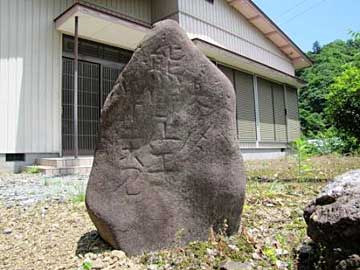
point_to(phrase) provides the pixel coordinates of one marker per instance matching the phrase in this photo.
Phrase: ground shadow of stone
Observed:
(91, 242)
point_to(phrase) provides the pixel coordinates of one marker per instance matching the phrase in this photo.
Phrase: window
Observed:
(272, 111)
(245, 103)
(97, 50)
(292, 113)
(14, 157)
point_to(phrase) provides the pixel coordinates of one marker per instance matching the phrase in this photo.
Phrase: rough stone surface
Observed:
(167, 166)
(333, 218)
(350, 263)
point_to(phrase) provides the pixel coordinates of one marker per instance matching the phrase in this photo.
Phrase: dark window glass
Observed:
(15, 157)
(97, 50)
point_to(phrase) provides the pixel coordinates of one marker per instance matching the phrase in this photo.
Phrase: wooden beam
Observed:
(251, 19)
(268, 34)
(285, 46)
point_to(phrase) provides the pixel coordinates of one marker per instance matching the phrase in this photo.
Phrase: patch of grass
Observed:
(32, 170)
(86, 265)
(203, 254)
(320, 168)
(78, 198)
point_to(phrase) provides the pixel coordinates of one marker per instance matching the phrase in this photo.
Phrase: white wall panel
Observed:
(30, 70)
(221, 24)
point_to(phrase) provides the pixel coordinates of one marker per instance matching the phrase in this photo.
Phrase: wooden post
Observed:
(76, 52)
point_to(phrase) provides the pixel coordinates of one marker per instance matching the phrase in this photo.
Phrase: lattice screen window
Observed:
(245, 103)
(245, 107)
(292, 114)
(279, 112)
(266, 111)
(272, 111)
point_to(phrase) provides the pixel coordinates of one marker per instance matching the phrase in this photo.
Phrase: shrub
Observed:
(32, 170)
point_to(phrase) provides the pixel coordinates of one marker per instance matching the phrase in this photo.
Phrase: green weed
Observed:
(32, 170)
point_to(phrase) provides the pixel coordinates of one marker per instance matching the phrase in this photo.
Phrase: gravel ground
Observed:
(44, 225)
(27, 189)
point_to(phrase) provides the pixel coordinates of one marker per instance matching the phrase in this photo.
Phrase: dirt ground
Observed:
(58, 234)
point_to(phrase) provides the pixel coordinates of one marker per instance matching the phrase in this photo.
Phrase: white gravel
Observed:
(27, 189)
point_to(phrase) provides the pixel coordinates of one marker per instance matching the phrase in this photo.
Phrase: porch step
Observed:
(65, 162)
(53, 171)
(65, 165)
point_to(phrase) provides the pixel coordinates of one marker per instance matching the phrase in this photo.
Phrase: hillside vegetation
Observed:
(330, 103)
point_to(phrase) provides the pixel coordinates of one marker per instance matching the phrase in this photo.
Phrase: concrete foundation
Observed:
(17, 166)
(42, 159)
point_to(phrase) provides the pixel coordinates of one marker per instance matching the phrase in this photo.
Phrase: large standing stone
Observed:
(167, 167)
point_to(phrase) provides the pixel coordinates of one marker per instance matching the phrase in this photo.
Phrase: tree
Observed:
(343, 101)
(316, 47)
(329, 63)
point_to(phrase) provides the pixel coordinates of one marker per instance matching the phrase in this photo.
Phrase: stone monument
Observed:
(167, 166)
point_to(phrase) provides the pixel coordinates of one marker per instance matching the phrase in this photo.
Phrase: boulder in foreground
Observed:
(333, 218)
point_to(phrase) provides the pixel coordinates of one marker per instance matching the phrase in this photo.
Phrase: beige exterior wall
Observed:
(31, 50)
(30, 71)
(221, 24)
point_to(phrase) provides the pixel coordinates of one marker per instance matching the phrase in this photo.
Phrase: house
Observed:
(37, 69)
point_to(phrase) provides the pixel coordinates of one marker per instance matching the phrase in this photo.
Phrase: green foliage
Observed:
(324, 143)
(270, 252)
(303, 151)
(79, 198)
(329, 104)
(32, 170)
(343, 101)
(86, 265)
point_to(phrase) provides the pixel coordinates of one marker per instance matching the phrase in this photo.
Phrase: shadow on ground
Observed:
(91, 242)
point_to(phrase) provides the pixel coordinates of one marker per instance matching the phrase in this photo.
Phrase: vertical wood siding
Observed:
(221, 24)
(292, 114)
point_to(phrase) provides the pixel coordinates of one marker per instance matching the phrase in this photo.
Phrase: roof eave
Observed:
(255, 16)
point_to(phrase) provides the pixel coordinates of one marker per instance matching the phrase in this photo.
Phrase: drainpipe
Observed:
(76, 51)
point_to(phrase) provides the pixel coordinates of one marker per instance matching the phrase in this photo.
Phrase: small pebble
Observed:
(7, 231)
(118, 253)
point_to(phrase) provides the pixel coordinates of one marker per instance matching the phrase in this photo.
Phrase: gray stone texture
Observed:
(167, 167)
(333, 218)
